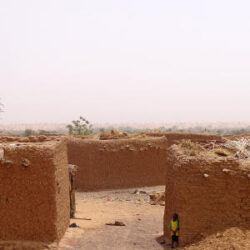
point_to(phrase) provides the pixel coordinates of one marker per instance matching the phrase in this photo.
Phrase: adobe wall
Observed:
(60, 160)
(107, 164)
(209, 194)
(34, 193)
(174, 138)
(122, 163)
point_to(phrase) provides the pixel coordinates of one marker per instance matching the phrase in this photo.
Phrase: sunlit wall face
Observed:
(125, 61)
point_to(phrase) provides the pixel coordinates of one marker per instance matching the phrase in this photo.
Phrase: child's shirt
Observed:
(174, 226)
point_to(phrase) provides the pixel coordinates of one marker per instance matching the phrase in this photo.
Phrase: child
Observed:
(174, 227)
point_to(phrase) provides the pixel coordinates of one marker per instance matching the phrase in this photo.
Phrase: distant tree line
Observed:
(30, 132)
(93, 130)
(196, 129)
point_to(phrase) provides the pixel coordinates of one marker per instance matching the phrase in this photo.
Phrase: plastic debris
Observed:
(241, 147)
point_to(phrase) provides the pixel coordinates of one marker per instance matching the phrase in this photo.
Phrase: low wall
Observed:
(174, 138)
(209, 194)
(194, 137)
(125, 163)
(34, 192)
(118, 163)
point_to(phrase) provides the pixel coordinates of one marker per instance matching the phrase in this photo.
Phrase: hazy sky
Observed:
(125, 60)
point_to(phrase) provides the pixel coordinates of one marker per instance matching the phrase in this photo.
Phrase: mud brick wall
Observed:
(60, 161)
(34, 194)
(174, 138)
(125, 163)
(209, 194)
(118, 163)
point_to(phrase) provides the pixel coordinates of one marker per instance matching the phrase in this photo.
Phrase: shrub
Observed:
(80, 127)
(28, 132)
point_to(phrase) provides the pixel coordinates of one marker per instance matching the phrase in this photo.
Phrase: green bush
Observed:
(80, 127)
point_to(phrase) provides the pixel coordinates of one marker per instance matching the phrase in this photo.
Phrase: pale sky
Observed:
(125, 60)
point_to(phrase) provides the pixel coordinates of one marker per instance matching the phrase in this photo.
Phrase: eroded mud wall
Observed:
(194, 137)
(209, 195)
(174, 138)
(118, 163)
(29, 192)
(62, 189)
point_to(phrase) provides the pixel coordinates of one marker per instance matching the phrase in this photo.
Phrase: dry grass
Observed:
(113, 134)
(191, 148)
(238, 149)
(116, 134)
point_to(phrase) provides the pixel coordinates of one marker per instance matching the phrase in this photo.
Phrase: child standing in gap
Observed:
(174, 227)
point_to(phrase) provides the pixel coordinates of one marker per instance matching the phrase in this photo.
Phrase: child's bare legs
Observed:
(176, 244)
(175, 241)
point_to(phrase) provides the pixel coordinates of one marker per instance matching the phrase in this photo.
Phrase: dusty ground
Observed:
(230, 239)
(143, 222)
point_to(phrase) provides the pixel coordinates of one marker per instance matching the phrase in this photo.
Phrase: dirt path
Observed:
(143, 222)
(143, 225)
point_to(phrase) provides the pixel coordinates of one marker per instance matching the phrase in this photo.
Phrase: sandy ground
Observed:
(143, 222)
(230, 239)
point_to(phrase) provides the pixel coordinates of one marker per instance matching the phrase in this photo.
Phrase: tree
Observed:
(28, 132)
(80, 127)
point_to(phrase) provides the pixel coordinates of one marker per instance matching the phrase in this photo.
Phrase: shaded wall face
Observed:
(118, 163)
(28, 193)
(205, 205)
(60, 160)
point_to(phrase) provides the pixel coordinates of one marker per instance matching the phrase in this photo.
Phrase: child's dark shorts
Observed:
(175, 238)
